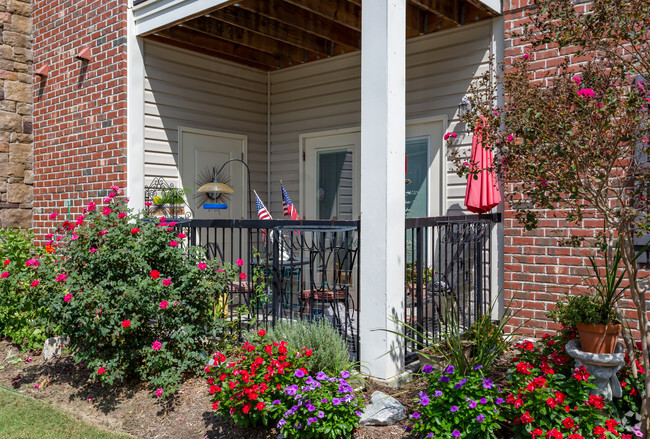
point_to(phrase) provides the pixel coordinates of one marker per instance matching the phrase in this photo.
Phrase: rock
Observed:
(383, 410)
(18, 91)
(19, 192)
(602, 367)
(53, 347)
(21, 218)
(11, 122)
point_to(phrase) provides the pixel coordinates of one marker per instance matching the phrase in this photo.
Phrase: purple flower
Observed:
(437, 393)
(311, 408)
(320, 414)
(345, 374)
(358, 413)
(320, 376)
(449, 370)
(480, 418)
(299, 373)
(336, 401)
(281, 423)
(324, 400)
(430, 435)
(472, 404)
(498, 401)
(427, 368)
(487, 383)
(477, 367)
(277, 401)
(424, 399)
(291, 390)
(297, 425)
(454, 408)
(415, 415)
(455, 433)
(459, 385)
(483, 401)
(444, 379)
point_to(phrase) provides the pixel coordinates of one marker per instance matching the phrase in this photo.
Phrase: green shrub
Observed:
(20, 291)
(330, 350)
(131, 299)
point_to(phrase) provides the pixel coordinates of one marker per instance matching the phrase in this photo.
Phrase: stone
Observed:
(19, 7)
(602, 367)
(21, 218)
(12, 169)
(6, 52)
(383, 410)
(21, 24)
(53, 347)
(9, 106)
(9, 76)
(18, 91)
(16, 39)
(10, 122)
(24, 109)
(28, 176)
(20, 153)
(19, 193)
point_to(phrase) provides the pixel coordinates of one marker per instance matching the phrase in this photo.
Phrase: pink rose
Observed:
(173, 243)
(242, 276)
(240, 262)
(35, 283)
(148, 203)
(101, 370)
(586, 92)
(156, 345)
(576, 79)
(181, 235)
(159, 392)
(164, 304)
(7, 262)
(4, 275)
(167, 282)
(121, 215)
(53, 215)
(114, 188)
(31, 262)
(67, 298)
(103, 232)
(126, 323)
(106, 211)
(202, 265)
(135, 230)
(91, 205)
(93, 250)
(61, 277)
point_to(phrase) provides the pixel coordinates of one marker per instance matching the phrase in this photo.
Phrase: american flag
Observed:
(287, 206)
(262, 212)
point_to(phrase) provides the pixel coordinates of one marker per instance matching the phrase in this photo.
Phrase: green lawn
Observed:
(25, 418)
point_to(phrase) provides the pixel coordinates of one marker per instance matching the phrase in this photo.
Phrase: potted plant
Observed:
(170, 202)
(594, 315)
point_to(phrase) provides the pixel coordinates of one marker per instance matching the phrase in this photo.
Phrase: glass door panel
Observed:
(335, 189)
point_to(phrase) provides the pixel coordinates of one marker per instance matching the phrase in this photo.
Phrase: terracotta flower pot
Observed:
(598, 339)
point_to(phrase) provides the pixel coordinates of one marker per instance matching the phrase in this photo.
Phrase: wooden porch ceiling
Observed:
(275, 34)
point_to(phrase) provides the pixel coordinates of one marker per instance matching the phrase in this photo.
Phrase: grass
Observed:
(25, 418)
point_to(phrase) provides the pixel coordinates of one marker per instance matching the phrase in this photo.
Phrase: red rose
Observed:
(126, 323)
(101, 370)
(155, 274)
(261, 333)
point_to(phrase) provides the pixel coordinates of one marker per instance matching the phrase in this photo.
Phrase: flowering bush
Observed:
(21, 310)
(456, 405)
(250, 389)
(545, 403)
(630, 403)
(323, 407)
(132, 301)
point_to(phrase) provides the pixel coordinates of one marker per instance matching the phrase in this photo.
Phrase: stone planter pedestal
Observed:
(602, 367)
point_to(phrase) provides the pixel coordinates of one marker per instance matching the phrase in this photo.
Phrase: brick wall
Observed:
(15, 114)
(80, 108)
(538, 269)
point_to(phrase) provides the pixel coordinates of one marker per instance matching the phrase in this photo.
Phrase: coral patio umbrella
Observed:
(482, 187)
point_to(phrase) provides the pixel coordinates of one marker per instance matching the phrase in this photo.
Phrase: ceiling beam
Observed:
(200, 40)
(244, 37)
(447, 9)
(289, 14)
(340, 11)
(280, 31)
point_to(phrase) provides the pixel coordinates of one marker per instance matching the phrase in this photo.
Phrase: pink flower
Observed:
(448, 135)
(135, 230)
(80, 219)
(510, 138)
(126, 323)
(93, 250)
(121, 215)
(4, 275)
(114, 188)
(240, 262)
(49, 236)
(91, 205)
(181, 235)
(67, 298)
(155, 274)
(101, 370)
(74, 237)
(526, 55)
(36, 386)
(202, 265)
(53, 215)
(577, 80)
(35, 283)
(103, 232)
(159, 392)
(164, 304)
(31, 262)
(148, 203)
(242, 276)
(7, 262)
(107, 200)
(586, 92)
(543, 182)
(173, 223)
(167, 282)
(220, 271)
(107, 210)
(466, 164)
(156, 345)
(61, 277)
(173, 243)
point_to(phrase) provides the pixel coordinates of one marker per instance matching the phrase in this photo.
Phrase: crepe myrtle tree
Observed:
(578, 138)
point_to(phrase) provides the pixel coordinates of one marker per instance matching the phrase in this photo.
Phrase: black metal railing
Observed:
(295, 270)
(448, 280)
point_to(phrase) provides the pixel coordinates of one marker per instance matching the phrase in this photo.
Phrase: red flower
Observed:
(611, 425)
(126, 323)
(554, 434)
(173, 243)
(246, 409)
(596, 401)
(526, 418)
(524, 368)
(242, 276)
(581, 374)
(575, 436)
(551, 403)
(261, 333)
(155, 274)
(260, 406)
(568, 422)
(7, 262)
(101, 370)
(215, 405)
(536, 432)
(135, 230)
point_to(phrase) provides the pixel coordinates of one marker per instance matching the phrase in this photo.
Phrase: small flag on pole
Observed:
(287, 206)
(262, 213)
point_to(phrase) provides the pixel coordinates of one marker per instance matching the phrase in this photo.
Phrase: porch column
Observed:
(383, 80)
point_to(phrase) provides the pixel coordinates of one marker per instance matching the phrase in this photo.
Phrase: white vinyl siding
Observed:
(326, 95)
(187, 89)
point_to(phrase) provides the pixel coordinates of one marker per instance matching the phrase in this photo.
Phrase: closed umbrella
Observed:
(483, 192)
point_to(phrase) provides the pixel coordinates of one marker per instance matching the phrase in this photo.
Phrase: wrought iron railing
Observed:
(448, 276)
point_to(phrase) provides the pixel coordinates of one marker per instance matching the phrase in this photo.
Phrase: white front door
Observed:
(331, 171)
(201, 152)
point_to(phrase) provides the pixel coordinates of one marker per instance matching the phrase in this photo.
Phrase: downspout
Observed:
(268, 136)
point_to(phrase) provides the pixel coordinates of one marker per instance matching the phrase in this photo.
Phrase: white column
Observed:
(383, 80)
(135, 117)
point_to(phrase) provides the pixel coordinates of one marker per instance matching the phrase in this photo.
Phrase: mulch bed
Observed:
(130, 407)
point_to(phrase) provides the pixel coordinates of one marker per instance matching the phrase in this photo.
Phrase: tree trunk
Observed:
(639, 299)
